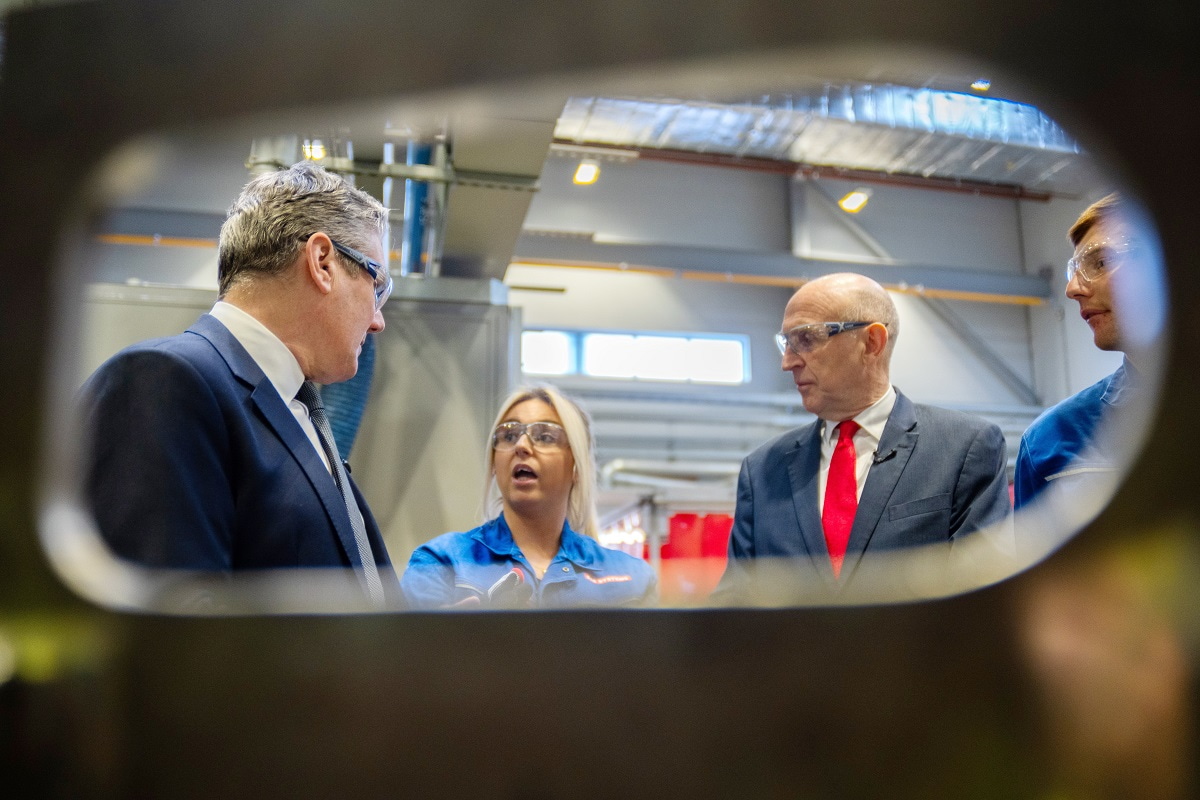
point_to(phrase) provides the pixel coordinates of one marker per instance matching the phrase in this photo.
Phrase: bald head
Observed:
(840, 371)
(851, 297)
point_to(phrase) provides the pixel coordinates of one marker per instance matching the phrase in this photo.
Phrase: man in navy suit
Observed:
(816, 507)
(202, 458)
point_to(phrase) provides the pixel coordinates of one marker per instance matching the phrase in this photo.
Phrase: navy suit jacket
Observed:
(197, 463)
(939, 475)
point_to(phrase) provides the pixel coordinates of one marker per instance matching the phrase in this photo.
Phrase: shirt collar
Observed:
(872, 419)
(1122, 385)
(272, 356)
(496, 536)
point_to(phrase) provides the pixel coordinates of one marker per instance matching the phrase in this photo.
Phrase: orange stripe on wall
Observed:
(775, 280)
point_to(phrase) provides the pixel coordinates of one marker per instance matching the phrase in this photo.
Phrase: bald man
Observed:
(828, 495)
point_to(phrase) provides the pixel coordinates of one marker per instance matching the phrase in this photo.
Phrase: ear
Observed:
(877, 339)
(320, 262)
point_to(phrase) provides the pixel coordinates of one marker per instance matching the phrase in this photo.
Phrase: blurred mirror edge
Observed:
(83, 561)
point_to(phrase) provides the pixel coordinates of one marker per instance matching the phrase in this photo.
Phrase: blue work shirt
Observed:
(479, 564)
(1062, 442)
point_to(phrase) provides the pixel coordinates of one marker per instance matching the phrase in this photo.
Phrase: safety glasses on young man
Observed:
(1101, 258)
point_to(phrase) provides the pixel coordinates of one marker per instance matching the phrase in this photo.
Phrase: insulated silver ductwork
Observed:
(890, 129)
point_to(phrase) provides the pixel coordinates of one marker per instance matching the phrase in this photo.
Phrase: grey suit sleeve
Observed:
(735, 580)
(981, 493)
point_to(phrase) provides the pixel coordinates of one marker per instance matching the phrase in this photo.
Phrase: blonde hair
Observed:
(1103, 209)
(581, 502)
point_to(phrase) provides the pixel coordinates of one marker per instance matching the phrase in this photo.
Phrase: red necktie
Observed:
(841, 495)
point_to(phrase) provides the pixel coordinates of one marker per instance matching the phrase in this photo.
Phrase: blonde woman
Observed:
(540, 549)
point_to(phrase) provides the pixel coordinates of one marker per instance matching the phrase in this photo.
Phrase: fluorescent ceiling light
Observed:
(314, 150)
(853, 202)
(587, 172)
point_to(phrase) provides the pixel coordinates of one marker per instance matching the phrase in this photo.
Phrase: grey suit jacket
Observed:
(938, 475)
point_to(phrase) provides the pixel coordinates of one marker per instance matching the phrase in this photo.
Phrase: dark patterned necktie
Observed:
(841, 495)
(311, 398)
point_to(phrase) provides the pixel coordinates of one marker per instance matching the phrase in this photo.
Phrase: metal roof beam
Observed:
(779, 268)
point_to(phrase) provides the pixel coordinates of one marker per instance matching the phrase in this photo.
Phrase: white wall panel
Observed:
(664, 203)
(922, 226)
(932, 364)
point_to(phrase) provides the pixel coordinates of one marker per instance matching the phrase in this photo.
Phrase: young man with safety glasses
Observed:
(1062, 446)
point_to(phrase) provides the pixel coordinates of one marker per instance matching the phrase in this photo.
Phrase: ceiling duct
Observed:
(891, 129)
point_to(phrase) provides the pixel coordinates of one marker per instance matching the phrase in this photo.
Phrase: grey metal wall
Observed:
(445, 361)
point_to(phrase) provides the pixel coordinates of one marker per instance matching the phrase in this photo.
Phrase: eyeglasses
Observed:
(542, 435)
(1100, 258)
(805, 338)
(383, 281)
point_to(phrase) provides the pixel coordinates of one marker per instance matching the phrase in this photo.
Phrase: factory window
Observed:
(548, 353)
(636, 356)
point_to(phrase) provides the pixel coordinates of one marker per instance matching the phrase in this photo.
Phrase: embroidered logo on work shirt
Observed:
(609, 578)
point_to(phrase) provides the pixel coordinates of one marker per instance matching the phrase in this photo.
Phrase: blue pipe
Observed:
(346, 401)
(415, 214)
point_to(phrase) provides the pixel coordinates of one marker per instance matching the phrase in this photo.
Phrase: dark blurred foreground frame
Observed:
(1073, 679)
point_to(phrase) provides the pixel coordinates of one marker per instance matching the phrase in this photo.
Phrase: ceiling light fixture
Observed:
(314, 150)
(587, 173)
(853, 202)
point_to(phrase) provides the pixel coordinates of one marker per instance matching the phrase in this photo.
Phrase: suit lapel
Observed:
(804, 469)
(895, 447)
(279, 419)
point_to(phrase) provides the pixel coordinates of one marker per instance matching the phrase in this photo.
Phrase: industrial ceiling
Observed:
(925, 133)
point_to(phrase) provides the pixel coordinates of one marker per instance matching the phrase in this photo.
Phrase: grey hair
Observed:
(581, 503)
(267, 224)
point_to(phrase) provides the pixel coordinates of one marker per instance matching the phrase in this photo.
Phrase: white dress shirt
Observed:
(275, 360)
(872, 421)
